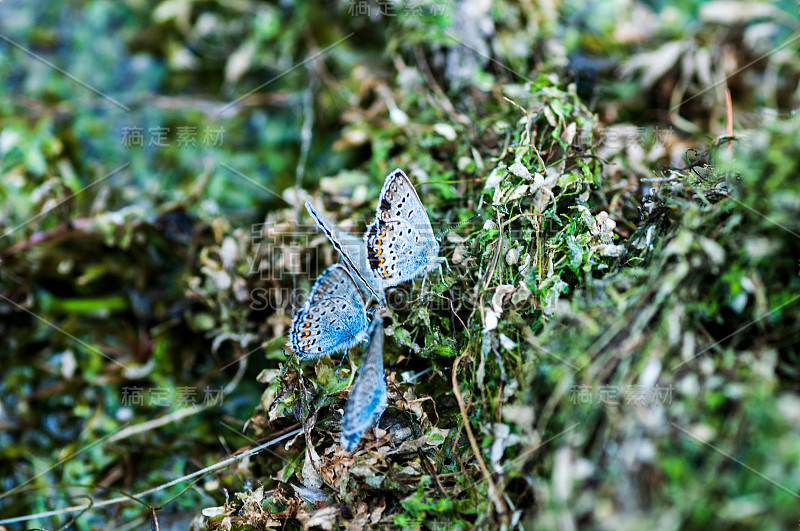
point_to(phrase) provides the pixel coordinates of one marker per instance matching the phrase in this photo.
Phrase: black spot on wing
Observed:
(371, 257)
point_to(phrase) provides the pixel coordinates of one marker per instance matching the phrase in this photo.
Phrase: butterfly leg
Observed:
(340, 363)
(377, 422)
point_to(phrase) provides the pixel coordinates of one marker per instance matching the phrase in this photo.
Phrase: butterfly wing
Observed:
(353, 253)
(391, 251)
(399, 200)
(400, 242)
(331, 319)
(368, 399)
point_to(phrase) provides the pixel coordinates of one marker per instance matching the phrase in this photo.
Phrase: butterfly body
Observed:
(353, 253)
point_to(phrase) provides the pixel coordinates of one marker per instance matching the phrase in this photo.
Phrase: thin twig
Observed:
(499, 503)
(496, 258)
(157, 423)
(426, 464)
(729, 109)
(523, 215)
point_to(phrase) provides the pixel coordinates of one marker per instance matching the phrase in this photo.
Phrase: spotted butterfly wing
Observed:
(400, 242)
(368, 399)
(353, 253)
(331, 319)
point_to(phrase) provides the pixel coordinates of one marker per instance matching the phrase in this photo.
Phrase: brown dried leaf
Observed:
(360, 519)
(324, 518)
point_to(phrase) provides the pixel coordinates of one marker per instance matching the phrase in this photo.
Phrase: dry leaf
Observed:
(324, 518)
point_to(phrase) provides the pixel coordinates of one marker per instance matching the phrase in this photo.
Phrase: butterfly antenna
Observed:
(441, 234)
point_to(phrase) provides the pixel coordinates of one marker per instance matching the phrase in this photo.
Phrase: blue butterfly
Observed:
(331, 319)
(400, 242)
(368, 398)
